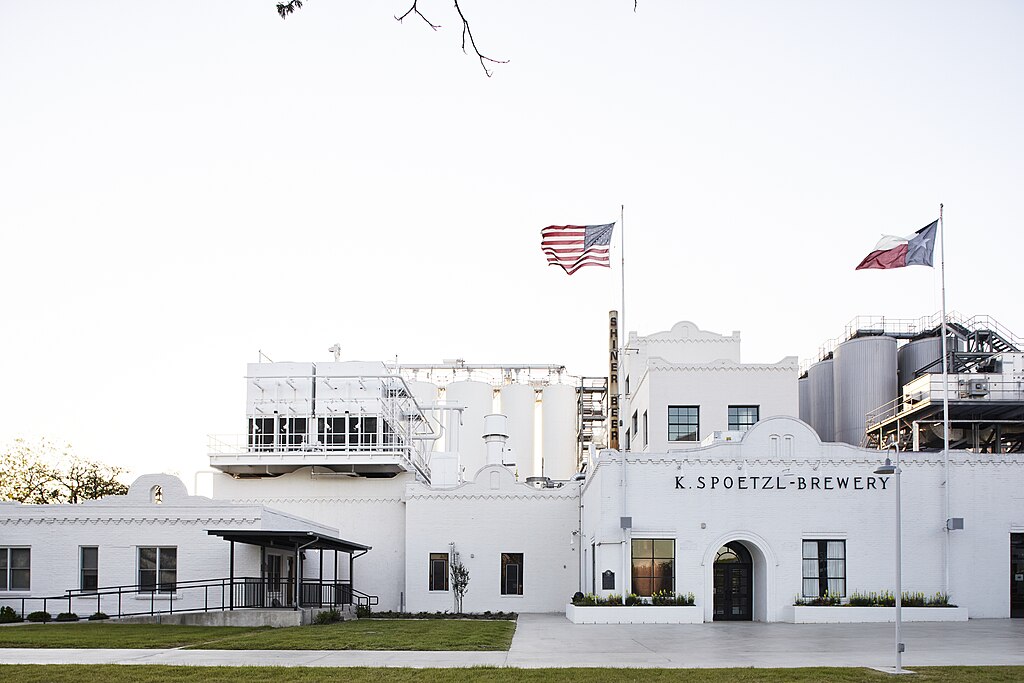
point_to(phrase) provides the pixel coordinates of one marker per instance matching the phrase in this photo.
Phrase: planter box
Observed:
(635, 615)
(803, 614)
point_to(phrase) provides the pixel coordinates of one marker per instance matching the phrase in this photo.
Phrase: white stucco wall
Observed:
(366, 511)
(118, 526)
(492, 515)
(702, 514)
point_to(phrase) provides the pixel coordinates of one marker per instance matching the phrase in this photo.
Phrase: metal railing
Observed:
(204, 595)
(929, 389)
(908, 327)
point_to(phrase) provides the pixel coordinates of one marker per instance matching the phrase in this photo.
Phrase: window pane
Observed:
(168, 558)
(643, 567)
(90, 558)
(643, 547)
(642, 586)
(147, 559)
(664, 549)
(20, 558)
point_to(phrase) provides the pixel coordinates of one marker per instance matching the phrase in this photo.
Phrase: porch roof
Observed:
(289, 540)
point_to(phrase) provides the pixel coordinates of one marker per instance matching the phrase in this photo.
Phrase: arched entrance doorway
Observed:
(734, 583)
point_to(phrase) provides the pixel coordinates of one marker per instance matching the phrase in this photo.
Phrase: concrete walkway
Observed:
(550, 640)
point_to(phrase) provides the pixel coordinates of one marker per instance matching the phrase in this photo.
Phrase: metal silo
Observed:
(804, 398)
(558, 431)
(822, 400)
(917, 354)
(519, 403)
(425, 394)
(478, 400)
(864, 378)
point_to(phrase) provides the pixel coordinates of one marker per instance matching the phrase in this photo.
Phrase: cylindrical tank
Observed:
(478, 400)
(864, 378)
(519, 402)
(558, 431)
(822, 400)
(495, 437)
(425, 394)
(917, 354)
(804, 398)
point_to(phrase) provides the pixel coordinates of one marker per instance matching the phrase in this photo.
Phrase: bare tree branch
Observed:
(416, 9)
(286, 8)
(467, 32)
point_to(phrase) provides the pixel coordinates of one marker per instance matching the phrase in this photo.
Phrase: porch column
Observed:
(298, 574)
(231, 578)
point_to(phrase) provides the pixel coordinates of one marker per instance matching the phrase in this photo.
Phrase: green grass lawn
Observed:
(204, 674)
(362, 634)
(117, 636)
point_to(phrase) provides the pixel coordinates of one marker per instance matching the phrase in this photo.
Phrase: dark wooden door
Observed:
(733, 595)
(1017, 576)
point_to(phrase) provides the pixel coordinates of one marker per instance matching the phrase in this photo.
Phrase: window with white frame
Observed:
(645, 430)
(511, 573)
(824, 568)
(15, 569)
(158, 569)
(654, 561)
(742, 418)
(438, 571)
(89, 564)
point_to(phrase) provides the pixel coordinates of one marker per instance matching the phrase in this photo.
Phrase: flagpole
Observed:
(623, 340)
(945, 393)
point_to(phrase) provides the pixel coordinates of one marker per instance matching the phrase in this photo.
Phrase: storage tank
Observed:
(864, 378)
(558, 431)
(519, 403)
(425, 394)
(804, 398)
(478, 400)
(917, 354)
(821, 390)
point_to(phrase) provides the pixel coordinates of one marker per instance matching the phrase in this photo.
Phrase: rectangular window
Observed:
(684, 423)
(438, 571)
(654, 562)
(90, 563)
(158, 569)
(625, 440)
(293, 432)
(511, 573)
(742, 418)
(634, 424)
(824, 568)
(645, 429)
(261, 434)
(15, 569)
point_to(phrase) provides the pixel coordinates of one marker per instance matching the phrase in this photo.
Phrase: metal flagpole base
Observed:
(891, 670)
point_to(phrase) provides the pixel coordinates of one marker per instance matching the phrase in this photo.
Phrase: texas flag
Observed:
(896, 252)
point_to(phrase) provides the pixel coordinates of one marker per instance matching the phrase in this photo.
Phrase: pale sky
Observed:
(183, 184)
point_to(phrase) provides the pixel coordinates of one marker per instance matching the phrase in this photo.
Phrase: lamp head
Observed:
(887, 468)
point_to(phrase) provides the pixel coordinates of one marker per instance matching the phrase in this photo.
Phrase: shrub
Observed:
(363, 612)
(67, 616)
(39, 616)
(98, 616)
(9, 616)
(633, 599)
(826, 600)
(667, 597)
(327, 617)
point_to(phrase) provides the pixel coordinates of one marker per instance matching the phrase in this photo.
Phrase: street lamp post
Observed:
(892, 467)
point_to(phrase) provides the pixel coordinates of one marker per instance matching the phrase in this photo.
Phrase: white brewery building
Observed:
(750, 485)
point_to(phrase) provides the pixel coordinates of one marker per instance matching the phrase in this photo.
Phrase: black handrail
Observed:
(218, 595)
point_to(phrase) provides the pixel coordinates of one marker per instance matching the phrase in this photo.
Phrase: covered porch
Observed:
(283, 567)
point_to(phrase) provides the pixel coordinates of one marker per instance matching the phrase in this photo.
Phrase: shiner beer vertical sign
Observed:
(613, 379)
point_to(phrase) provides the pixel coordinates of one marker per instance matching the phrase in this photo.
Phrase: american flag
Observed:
(574, 246)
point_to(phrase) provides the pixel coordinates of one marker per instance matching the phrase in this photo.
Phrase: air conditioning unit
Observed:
(973, 388)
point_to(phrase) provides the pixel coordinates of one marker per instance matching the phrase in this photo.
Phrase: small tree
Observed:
(460, 581)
